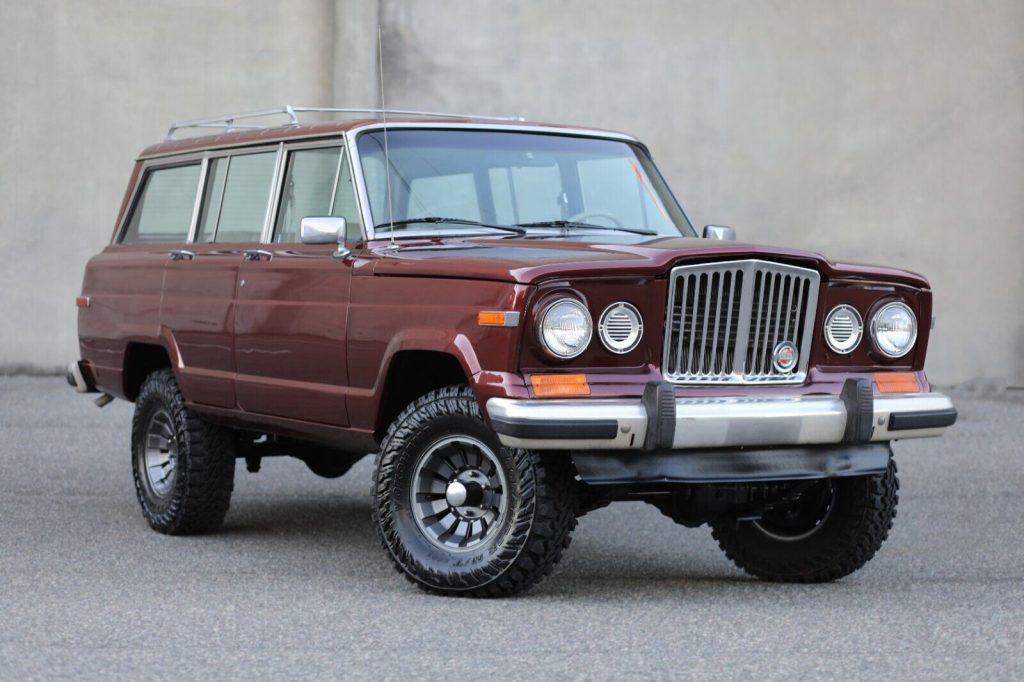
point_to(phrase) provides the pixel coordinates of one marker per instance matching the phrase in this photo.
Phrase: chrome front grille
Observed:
(725, 320)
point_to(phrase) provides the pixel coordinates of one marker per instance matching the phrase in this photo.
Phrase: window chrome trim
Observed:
(362, 196)
(334, 184)
(274, 197)
(364, 223)
(197, 206)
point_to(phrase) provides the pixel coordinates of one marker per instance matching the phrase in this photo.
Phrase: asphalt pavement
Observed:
(296, 586)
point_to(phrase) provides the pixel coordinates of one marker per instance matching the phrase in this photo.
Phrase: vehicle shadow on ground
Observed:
(293, 520)
(591, 569)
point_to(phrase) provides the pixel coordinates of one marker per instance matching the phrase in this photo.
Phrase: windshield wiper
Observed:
(569, 225)
(514, 229)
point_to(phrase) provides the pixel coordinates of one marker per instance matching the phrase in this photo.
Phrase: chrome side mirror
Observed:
(725, 234)
(325, 231)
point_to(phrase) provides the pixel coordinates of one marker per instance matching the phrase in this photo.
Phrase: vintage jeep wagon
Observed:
(520, 321)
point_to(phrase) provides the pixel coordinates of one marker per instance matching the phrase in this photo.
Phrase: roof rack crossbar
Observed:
(229, 122)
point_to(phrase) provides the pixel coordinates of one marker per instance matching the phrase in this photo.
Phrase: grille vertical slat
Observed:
(715, 361)
(680, 310)
(702, 359)
(790, 283)
(774, 294)
(693, 314)
(766, 323)
(796, 318)
(728, 350)
(726, 319)
(755, 323)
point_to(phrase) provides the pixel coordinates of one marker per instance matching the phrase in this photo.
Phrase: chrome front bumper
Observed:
(671, 423)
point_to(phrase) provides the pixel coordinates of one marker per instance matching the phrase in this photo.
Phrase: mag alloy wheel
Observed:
(802, 517)
(458, 493)
(160, 454)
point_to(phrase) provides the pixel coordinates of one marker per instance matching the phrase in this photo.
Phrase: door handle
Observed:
(182, 254)
(257, 254)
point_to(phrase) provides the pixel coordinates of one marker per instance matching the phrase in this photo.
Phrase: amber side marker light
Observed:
(564, 385)
(494, 318)
(897, 382)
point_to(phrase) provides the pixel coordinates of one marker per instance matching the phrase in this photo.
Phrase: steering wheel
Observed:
(586, 215)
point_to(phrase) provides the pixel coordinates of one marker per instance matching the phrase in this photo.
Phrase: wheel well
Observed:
(141, 360)
(412, 374)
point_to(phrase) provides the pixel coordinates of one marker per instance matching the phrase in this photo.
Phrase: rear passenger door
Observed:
(292, 299)
(201, 280)
(126, 288)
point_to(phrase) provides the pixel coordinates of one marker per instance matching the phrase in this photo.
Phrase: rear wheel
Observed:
(459, 514)
(183, 467)
(833, 528)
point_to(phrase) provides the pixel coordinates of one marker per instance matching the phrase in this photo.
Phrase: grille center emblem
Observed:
(784, 357)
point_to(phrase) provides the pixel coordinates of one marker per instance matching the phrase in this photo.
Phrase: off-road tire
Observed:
(205, 471)
(856, 527)
(529, 540)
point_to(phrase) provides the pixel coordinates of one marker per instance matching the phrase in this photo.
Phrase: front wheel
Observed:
(830, 530)
(459, 514)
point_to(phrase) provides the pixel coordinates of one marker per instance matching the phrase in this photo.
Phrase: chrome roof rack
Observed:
(230, 122)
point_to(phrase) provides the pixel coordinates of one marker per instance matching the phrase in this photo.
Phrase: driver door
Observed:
(292, 299)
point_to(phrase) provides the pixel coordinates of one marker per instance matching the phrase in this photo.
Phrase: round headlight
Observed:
(894, 329)
(565, 328)
(843, 329)
(620, 327)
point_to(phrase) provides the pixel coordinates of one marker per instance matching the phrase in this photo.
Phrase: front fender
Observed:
(389, 315)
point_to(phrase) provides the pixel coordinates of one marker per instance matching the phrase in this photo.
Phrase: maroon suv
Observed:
(522, 324)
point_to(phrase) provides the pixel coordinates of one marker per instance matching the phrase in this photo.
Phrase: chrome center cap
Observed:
(456, 494)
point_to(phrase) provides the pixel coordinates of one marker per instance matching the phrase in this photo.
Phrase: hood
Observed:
(528, 261)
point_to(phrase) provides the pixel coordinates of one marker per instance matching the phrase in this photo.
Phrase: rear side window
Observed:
(163, 211)
(235, 198)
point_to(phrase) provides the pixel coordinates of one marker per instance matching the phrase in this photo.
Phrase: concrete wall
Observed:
(872, 131)
(85, 86)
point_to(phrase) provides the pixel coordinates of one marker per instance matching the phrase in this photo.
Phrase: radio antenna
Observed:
(384, 114)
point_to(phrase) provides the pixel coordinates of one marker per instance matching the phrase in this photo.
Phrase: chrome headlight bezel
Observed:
(636, 332)
(542, 330)
(853, 341)
(877, 319)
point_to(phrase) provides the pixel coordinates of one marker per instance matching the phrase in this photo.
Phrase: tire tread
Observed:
(537, 541)
(200, 501)
(854, 542)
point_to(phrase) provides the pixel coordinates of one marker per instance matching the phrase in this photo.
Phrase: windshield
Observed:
(469, 179)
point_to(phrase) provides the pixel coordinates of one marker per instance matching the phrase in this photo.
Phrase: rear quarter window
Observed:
(163, 211)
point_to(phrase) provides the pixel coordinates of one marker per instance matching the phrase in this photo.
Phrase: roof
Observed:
(237, 135)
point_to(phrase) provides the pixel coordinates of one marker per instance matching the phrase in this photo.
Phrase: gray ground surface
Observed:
(297, 586)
